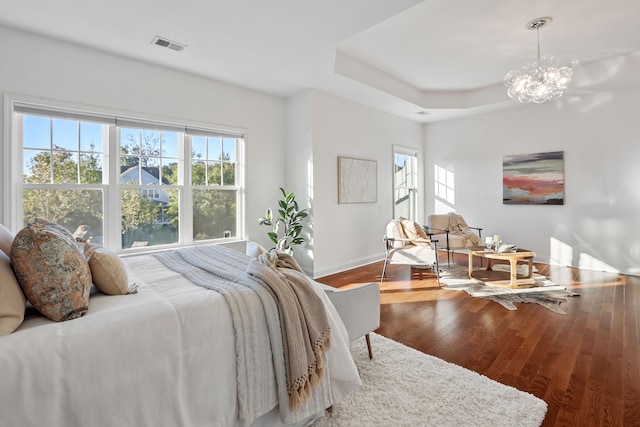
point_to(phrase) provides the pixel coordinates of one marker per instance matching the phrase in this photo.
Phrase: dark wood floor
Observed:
(585, 364)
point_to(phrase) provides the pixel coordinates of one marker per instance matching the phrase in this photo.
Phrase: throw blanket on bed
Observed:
(280, 325)
(459, 227)
(303, 320)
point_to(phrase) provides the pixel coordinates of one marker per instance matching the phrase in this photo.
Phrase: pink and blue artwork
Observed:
(533, 179)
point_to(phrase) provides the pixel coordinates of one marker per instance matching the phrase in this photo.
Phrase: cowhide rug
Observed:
(544, 292)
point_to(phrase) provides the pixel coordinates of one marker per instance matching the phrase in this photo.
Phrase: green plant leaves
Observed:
(289, 222)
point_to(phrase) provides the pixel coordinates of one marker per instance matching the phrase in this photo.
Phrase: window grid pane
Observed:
(214, 214)
(73, 209)
(63, 159)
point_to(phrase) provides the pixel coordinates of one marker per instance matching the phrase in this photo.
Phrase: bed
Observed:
(164, 356)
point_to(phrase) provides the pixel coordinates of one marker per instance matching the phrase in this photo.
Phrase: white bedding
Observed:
(161, 357)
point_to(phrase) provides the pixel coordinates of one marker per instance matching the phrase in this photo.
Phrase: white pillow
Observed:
(395, 231)
(254, 250)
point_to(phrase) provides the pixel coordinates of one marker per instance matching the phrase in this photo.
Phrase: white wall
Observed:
(299, 153)
(599, 223)
(36, 66)
(349, 235)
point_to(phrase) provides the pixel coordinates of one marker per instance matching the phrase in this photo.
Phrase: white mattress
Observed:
(161, 357)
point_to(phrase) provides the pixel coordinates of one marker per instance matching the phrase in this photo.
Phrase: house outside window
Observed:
(165, 185)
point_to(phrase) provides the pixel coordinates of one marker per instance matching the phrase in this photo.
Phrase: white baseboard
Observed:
(359, 262)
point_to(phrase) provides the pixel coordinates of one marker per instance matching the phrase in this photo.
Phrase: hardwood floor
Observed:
(585, 364)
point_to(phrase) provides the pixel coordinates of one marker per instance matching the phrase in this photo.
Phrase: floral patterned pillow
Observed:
(52, 270)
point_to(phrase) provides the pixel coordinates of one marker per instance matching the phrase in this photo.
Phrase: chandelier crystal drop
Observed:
(541, 80)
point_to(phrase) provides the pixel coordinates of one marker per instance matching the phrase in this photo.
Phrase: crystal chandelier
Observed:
(542, 80)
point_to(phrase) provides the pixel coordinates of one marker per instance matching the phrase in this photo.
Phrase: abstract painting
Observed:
(357, 180)
(533, 179)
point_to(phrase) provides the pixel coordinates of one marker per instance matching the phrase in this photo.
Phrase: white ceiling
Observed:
(444, 57)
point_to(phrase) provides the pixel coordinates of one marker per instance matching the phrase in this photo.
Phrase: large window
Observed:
(405, 183)
(126, 183)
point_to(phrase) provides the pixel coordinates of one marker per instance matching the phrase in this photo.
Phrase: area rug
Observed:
(544, 292)
(404, 387)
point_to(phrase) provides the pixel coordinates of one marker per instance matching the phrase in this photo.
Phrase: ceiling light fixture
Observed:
(542, 80)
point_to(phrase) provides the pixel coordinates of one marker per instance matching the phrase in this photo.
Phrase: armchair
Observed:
(454, 231)
(405, 242)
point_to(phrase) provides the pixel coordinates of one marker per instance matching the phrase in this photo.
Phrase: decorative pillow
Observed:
(52, 270)
(6, 239)
(414, 231)
(12, 300)
(394, 231)
(108, 271)
(254, 250)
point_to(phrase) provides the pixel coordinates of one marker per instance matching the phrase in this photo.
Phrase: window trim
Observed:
(11, 214)
(413, 152)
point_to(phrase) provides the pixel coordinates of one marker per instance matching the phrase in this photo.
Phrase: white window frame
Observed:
(413, 187)
(12, 184)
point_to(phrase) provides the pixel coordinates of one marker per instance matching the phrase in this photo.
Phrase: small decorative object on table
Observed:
(496, 242)
(488, 241)
(507, 248)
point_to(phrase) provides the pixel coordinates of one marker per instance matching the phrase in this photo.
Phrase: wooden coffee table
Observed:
(521, 255)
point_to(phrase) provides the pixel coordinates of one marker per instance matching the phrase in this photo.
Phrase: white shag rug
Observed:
(404, 387)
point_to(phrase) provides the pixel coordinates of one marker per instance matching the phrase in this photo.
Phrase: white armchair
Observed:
(453, 231)
(405, 242)
(359, 309)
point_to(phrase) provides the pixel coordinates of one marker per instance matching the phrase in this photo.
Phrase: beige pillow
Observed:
(108, 272)
(52, 270)
(394, 231)
(12, 300)
(413, 230)
(6, 239)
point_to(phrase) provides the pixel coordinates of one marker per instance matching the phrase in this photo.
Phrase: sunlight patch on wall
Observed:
(309, 222)
(444, 191)
(442, 208)
(560, 253)
(591, 263)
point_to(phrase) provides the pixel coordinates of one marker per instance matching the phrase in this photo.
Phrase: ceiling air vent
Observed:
(165, 42)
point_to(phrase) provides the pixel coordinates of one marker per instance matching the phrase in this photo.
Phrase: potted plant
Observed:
(286, 228)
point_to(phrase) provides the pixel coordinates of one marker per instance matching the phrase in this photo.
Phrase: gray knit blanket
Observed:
(280, 336)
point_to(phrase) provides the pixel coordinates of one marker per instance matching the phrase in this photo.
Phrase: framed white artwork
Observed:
(357, 180)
